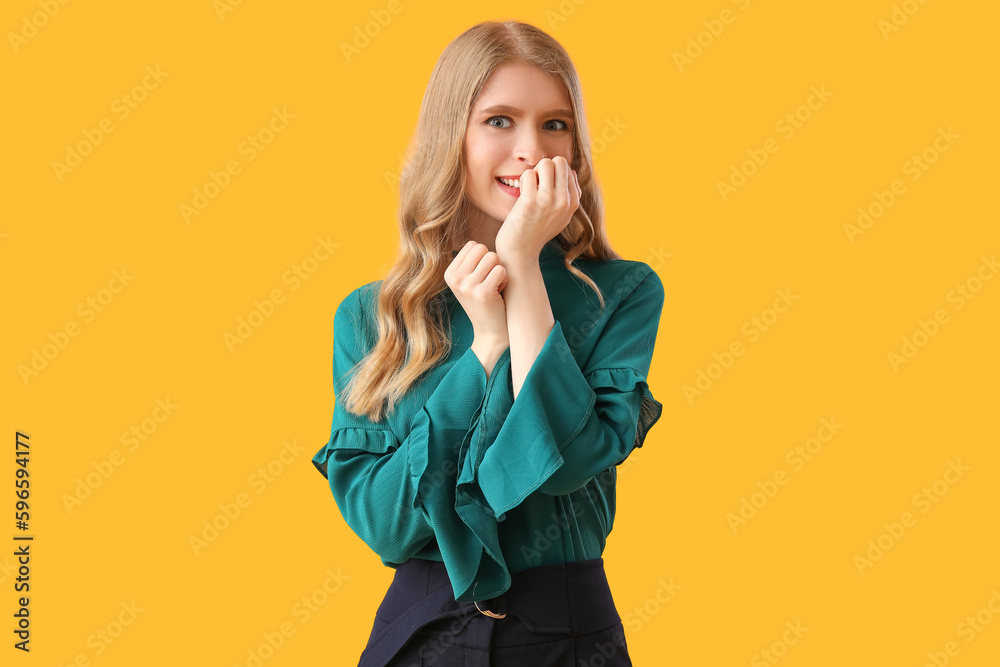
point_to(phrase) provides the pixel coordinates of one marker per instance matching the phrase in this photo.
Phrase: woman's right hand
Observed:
(476, 277)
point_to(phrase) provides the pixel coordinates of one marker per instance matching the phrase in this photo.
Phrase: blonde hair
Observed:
(412, 333)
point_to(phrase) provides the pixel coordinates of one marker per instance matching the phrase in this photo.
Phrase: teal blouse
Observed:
(463, 474)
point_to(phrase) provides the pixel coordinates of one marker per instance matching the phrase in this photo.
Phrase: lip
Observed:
(514, 192)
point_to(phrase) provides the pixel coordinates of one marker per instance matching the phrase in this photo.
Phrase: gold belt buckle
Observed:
(485, 612)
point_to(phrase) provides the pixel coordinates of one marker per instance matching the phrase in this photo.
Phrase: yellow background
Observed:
(328, 174)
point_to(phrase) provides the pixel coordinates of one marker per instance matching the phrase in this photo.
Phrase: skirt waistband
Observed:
(564, 598)
(569, 599)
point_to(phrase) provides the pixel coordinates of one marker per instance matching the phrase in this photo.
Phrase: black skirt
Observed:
(556, 616)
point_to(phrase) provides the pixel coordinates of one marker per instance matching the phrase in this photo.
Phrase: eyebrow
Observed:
(505, 108)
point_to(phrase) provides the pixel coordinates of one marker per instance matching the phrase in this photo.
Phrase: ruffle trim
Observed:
(342, 439)
(626, 380)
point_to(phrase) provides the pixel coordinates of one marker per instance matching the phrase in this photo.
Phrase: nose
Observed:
(529, 148)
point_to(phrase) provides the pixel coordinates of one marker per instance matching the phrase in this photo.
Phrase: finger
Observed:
(485, 265)
(473, 253)
(577, 192)
(561, 167)
(453, 268)
(545, 169)
(529, 182)
(462, 252)
(496, 280)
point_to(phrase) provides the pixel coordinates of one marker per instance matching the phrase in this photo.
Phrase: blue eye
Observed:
(490, 120)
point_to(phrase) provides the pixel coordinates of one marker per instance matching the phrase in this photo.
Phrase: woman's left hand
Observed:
(550, 194)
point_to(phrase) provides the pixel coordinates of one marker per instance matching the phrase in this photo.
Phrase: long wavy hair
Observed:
(412, 329)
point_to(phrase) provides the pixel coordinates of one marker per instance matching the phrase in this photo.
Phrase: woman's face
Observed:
(521, 116)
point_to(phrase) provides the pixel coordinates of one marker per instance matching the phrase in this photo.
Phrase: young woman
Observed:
(489, 385)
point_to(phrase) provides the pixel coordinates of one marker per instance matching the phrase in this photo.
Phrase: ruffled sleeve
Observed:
(397, 493)
(567, 425)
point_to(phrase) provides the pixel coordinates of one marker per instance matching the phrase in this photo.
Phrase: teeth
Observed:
(514, 184)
